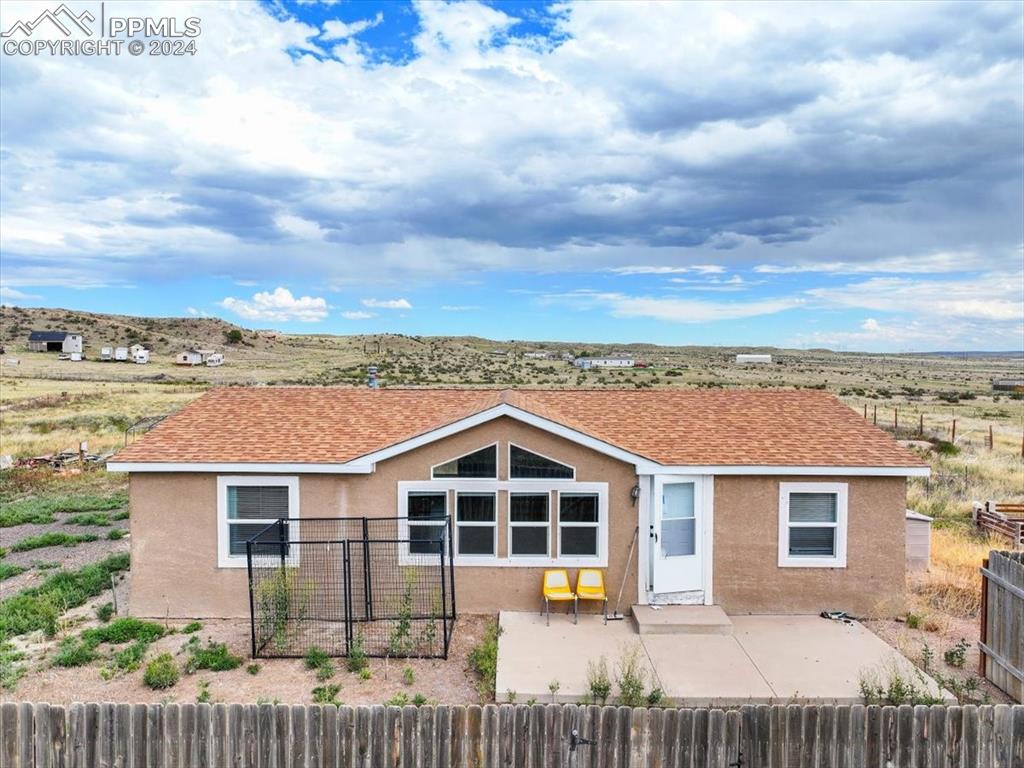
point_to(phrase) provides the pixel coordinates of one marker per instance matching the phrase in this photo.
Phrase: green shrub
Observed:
(116, 534)
(655, 698)
(52, 539)
(631, 677)
(945, 448)
(957, 655)
(327, 694)
(325, 671)
(215, 657)
(316, 657)
(356, 661)
(398, 700)
(7, 570)
(204, 692)
(42, 510)
(161, 672)
(10, 668)
(39, 607)
(599, 682)
(74, 653)
(129, 659)
(105, 612)
(484, 659)
(365, 673)
(124, 630)
(253, 669)
(408, 676)
(895, 689)
(87, 518)
(914, 620)
(419, 700)
(191, 627)
(120, 515)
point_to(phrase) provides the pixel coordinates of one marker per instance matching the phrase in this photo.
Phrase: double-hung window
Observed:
(578, 525)
(812, 525)
(476, 524)
(246, 507)
(529, 524)
(427, 512)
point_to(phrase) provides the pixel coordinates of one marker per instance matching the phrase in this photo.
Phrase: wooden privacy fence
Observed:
(518, 736)
(1002, 622)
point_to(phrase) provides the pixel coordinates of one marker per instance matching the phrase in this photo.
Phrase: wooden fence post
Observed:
(874, 416)
(984, 618)
(920, 428)
(952, 436)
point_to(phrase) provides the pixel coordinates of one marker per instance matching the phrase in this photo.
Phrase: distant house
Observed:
(753, 359)
(189, 357)
(214, 359)
(1008, 385)
(139, 353)
(604, 362)
(106, 353)
(121, 353)
(537, 355)
(55, 341)
(196, 357)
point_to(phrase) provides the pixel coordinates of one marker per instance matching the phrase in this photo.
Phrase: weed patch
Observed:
(87, 518)
(42, 510)
(52, 539)
(161, 672)
(7, 570)
(484, 660)
(215, 656)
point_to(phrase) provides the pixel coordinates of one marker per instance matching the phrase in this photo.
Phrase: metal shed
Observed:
(55, 341)
(919, 541)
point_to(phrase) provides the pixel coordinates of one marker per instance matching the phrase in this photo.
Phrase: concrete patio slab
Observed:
(681, 620)
(767, 659)
(807, 657)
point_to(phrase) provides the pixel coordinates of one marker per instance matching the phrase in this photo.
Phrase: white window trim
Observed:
(493, 525)
(497, 457)
(527, 486)
(601, 557)
(545, 525)
(508, 456)
(224, 557)
(786, 560)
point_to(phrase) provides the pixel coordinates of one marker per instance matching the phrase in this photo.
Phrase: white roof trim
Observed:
(365, 464)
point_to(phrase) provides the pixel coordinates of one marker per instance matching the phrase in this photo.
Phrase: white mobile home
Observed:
(121, 353)
(214, 359)
(753, 359)
(140, 355)
(604, 362)
(189, 357)
(106, 353)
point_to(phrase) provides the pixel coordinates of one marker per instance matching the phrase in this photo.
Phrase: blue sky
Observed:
(843, 175)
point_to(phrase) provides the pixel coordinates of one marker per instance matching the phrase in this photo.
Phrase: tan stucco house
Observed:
(780, 501)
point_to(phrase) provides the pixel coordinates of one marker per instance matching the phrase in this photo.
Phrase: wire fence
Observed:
(352, 586)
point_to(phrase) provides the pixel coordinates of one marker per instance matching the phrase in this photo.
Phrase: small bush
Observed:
(10, 668)
(203, 697)
(914, 620)
(215, 656)
(957, 655)
(419, 700)
(365, 673)
(325, 671)
(408, 676)
(129, 659)
(484, 659)
(356, 661)
(316, 657)
(398, 700)
(105, 612)
(115, 534)
(655, 698)
(253, 669)
(599, 682)
(192, 627)
(945, 448)
(74, 653)
(895, 688)
(327, 694)
(631, 677)
(161, 672)
(124, 630)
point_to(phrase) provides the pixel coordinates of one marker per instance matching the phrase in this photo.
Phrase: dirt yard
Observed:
(287, 681)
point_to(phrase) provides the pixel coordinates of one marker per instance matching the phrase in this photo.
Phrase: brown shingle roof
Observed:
(671, 427)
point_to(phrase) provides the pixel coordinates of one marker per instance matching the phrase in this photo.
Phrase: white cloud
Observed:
(339, 30)
(942, 261)
(356, 314)
(193, 312)
(460, 307)
(675, 310)
(870, 325)
(13, 294)
(279, 306)
(387, 303)
(648, 270)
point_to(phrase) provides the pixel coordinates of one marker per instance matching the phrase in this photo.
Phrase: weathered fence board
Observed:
(1002, 622)
(531, 736)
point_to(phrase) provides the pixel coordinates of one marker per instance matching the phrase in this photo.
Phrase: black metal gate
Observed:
(375, 586)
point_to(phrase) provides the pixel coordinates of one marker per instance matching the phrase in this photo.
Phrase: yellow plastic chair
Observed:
(557, 590)
(590, 586)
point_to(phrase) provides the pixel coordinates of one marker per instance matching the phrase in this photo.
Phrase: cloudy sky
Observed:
(847, 175)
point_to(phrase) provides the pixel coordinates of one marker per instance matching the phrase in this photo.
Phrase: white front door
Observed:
(676, 535)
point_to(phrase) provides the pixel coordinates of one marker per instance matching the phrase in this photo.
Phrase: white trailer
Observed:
(754, 359)
(121, 354)
(106, 353)
(140, 356)
(214, 359)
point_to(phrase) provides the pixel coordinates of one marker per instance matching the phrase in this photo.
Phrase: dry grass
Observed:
(952, 584)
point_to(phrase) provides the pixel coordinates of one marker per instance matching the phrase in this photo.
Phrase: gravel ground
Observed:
(911, 642)
(282, 680)
(68, 557)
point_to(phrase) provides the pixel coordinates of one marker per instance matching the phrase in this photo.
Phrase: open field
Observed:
(62, 523)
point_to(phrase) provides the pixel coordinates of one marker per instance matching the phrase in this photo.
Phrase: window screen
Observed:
(812, 524)
(476, 524)
(258, 506)
(528, 524)
(423, 506)
(578, 524)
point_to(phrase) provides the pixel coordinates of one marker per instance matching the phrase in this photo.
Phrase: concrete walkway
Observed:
(767, 659)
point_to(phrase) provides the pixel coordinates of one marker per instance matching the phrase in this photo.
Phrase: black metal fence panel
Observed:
(373, 586)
